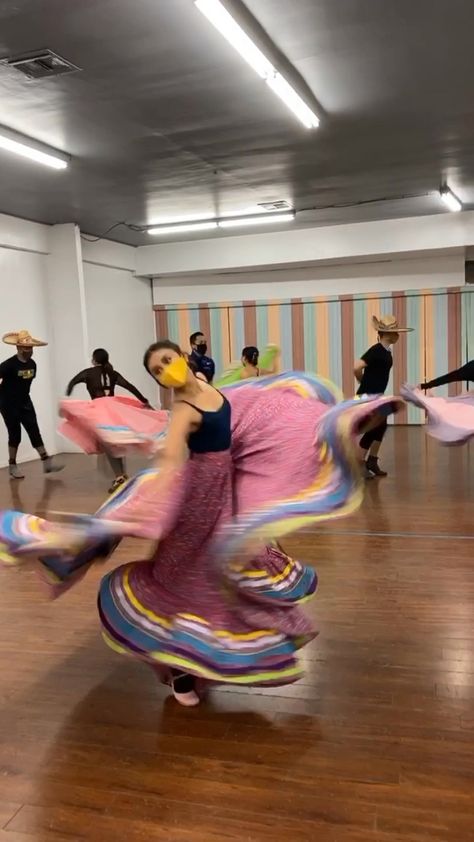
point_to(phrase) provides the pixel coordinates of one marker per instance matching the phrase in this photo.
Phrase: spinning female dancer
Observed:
(196, 630)
(215, 601)
(101, 380)
(372, 372)
(459, 375)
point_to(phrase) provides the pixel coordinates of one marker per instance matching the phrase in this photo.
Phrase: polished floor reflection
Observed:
(375, 744)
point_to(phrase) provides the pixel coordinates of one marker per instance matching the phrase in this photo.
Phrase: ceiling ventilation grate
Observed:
(273, 206)
(39, 65)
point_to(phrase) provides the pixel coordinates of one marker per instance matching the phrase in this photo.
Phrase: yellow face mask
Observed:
(175, 374)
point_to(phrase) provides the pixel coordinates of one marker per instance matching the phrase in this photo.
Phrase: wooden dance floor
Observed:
(375, 744)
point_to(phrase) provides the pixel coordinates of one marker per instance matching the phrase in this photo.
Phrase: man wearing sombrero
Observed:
(372, 372)
(16, 375)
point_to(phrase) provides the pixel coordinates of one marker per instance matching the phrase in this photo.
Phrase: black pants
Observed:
(18, 416)
(376, 434)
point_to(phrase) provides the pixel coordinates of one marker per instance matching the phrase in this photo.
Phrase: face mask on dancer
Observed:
(175, 374)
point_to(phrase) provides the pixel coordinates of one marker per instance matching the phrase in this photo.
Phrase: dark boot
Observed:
(365, 471)
(374, 468)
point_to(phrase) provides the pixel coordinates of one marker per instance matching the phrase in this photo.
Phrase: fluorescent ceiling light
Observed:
(292, 100)
(182, 228)
(223, 21)
(30, 152)
(261, 219)
(452, 201)
(225, 222)
(215, 12)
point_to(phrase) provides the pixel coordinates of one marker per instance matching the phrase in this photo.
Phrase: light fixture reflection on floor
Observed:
(453, 203)
(223, 21)
(22, 148)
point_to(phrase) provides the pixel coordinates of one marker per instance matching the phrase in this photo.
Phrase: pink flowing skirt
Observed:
(450, 420)
(114, 424)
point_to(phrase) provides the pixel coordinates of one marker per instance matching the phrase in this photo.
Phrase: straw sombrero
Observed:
(22, 339)
(388, 324)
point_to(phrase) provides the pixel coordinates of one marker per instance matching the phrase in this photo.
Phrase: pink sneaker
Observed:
(183, 690)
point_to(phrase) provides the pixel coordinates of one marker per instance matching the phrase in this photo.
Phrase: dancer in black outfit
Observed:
(16, 375)
(372, 372)
(101, 380)
(464, 373)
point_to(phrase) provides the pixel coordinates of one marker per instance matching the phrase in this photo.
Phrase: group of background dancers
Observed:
(217, 601)
(372, 372)
(101, 380)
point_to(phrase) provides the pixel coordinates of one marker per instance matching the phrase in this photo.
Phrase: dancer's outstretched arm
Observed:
(79, 378)
(465, 372)
(124, 384)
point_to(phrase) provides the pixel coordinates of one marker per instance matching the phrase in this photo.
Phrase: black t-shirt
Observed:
(17, 377)
(379, 361)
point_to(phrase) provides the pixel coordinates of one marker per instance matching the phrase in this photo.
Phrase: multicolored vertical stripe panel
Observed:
(415, 343)
(467, 327)
(327, 334)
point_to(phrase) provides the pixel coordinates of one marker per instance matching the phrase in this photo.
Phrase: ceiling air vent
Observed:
(274, 206)
(40, 65)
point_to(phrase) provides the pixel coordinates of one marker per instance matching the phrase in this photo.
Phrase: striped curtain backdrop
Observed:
(327, 334)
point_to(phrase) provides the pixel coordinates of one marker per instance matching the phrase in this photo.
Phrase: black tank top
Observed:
(213, 435)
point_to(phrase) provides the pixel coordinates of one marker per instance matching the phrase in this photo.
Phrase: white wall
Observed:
(48, 274)
(300, 246)
(108, 253)
(120, 319)
(23, 235)
(23, 293)
(67, 308)
(379, 276)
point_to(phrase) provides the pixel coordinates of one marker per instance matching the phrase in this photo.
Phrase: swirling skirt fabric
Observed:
(115, 424)
(218, 598)
(450, 420)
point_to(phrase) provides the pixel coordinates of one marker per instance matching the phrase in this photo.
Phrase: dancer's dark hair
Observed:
(161, 345)
(101, 358)
(250, 354)
(194, 336)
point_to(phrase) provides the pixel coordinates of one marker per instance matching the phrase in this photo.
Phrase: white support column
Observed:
(67, 310)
